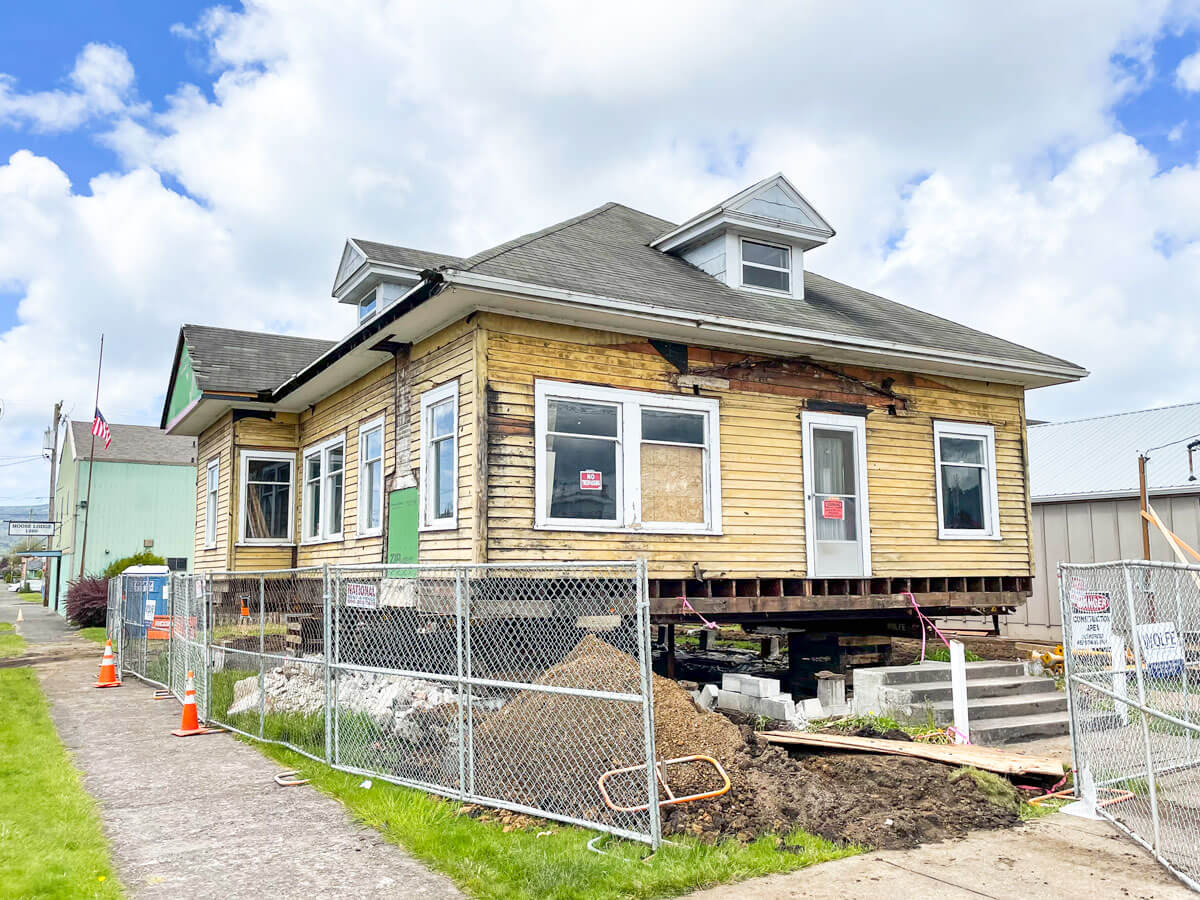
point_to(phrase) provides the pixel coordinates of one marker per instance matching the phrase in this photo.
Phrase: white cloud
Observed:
(1187, 76)
(102, 84)
(413, 123)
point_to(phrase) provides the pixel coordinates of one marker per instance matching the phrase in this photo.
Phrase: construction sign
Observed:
(1091, 617)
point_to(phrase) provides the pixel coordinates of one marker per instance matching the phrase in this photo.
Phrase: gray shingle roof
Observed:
(226, 359)
(605, 252)
(135, 443)
(406, 256)
(1099, 456)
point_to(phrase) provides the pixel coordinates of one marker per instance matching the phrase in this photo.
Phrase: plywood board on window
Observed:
(672, 483)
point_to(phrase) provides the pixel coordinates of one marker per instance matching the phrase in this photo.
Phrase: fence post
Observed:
(1064, 604)
(327, 638)
(262, 659)
(1145, 717)
(462, 688)
(207, 609)
(643, 624)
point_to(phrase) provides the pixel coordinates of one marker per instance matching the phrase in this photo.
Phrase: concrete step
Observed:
(1019, 728)
(1009, 705)
(933, 692)
(926, 672)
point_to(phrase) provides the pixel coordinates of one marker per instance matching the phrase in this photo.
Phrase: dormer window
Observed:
(766, 266)
(366, 307)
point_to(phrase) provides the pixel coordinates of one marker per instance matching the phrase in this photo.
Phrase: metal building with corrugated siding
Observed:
(1084, 489)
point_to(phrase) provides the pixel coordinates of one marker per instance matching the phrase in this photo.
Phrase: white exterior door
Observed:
(837, 516)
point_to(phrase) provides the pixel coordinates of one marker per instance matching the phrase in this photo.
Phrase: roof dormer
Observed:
(753, 241)
(372, 276)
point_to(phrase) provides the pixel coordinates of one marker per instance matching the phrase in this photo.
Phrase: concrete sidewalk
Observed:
(201, 817)
(1059, 856)
(41, 625)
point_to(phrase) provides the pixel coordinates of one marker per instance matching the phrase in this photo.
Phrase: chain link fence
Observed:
(1131, 635)
(509, 686)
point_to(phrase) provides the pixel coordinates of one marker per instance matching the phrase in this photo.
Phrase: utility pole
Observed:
(1144, 498)
(50, 509)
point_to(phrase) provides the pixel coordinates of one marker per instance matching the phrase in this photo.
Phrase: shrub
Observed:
(87, 601)
(142, 558)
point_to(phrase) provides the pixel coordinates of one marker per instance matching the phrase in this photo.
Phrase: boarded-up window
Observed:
(672, 466)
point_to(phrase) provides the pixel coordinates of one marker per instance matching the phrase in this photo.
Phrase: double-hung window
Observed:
(266, 497)
(766, 266)
(324, 483)
(615, 460)
(439, 457)
(212, 480)
(968, 504)
(370, 478)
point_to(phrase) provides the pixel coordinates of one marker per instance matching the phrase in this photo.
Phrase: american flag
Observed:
(100, 428)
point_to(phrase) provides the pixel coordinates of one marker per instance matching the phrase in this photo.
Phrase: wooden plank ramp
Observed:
(992, 759)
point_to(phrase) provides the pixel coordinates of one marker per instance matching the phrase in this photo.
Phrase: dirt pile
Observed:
(548, 750)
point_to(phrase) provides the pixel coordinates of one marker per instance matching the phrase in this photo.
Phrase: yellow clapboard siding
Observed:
(761, 467)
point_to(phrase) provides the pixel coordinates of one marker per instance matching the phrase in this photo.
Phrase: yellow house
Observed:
(783, 450)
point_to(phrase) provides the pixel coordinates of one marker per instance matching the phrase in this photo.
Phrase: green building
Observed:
(143, 498)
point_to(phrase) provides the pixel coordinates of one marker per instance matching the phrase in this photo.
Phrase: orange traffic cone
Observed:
(190, 725)
(108, 671)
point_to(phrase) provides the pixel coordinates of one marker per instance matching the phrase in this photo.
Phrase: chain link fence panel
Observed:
(1131, 638)
(509, 686)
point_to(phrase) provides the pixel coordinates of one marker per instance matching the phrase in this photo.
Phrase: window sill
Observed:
(625, 529)
(375, 532)
(334, 539)
(265, 544)
(967, 536)
(770, 292)
(448, 525)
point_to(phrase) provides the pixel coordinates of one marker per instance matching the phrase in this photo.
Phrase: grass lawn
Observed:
(11, 643)
(51, 845)
(31, 596)
(486, 862)
(97, 633)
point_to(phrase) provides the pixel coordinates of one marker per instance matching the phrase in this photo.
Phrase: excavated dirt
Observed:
(878, 801)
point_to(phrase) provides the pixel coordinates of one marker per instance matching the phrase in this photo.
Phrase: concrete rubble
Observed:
(392, 701)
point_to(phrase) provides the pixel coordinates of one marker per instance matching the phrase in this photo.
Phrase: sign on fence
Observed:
(362, 596)
(1091, 617)
(1162, 651)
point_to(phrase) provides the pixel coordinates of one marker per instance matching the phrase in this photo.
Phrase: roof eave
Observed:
(162, 421)
(1122, 494)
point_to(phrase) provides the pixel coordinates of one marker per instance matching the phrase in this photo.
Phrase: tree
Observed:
(141, 558)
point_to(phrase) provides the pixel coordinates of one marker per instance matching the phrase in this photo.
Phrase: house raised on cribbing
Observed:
(784, 450)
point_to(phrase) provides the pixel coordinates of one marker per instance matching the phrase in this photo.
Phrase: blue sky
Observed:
(1028, 169)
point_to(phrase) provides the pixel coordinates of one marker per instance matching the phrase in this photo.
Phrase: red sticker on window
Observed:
(833, 508)
(589, 480)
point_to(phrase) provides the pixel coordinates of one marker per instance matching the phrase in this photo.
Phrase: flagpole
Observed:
(91, 461)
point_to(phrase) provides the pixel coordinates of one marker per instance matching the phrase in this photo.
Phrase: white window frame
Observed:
(212, 497)
(363, 430)
(991, 492)
(324, 536)
(429, 399)
(742, 263)
(373, 298)
(629, 458)
(244, 466)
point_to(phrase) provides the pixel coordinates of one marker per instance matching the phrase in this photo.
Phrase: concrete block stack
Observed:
(756, 697)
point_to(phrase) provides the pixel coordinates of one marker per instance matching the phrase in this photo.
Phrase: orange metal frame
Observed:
(671, 798)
